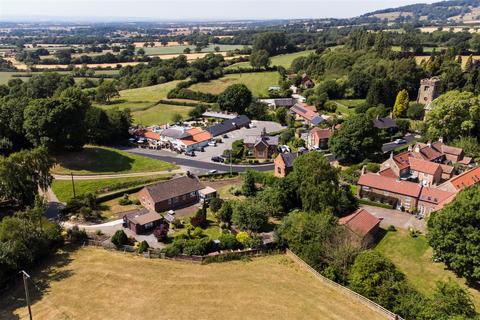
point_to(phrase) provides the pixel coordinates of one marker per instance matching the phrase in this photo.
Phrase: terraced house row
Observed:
(421, 179)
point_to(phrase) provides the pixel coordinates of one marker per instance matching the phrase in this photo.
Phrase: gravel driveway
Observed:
(401, 220)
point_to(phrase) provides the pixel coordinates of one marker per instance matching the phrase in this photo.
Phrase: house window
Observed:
(365, 188)
(385, 193)
(148, 225)
(193, 194)
(170, 201)
(184, 197)
(279, 170)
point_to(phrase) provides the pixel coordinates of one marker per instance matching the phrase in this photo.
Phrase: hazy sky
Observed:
(189, 9)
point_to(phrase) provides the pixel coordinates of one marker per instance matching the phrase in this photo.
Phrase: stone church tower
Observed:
(429, 91)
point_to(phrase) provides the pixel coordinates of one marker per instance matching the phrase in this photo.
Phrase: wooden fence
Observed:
(369, 303)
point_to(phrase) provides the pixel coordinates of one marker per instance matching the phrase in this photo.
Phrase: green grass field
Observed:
(93, 283)
(143, 104)
(347, 106)
(102, 160)
(160, 114)
(179, 49)
(257, 82)
(64, 191)
(413, 256)
(284, 60)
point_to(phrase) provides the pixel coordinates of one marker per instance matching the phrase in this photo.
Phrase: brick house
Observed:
(432, 199)
(142, 221)
(306, 113)
(284, 164)
(261, 147)
(428, 173)
(411, 165)
(171, 194)
(411, 196)
(307, 82)
(388, 190)
(318, 138)
(362, 226)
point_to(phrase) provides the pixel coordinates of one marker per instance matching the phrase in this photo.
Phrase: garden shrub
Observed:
(228, 242)
(243, 237)
(143, 247)
(119, 239)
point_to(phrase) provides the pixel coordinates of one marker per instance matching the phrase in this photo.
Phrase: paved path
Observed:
(390, 146)
(108, 228)
(116, 175)
(397, 218)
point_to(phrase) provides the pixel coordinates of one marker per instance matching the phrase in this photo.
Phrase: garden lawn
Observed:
(160, 114)
(257, 82)
(113, 208)
(413, 256)
(93, 283)
(103, 160)
(64, 191)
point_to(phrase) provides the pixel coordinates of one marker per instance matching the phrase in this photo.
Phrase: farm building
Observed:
(362, 226)
(229, 125)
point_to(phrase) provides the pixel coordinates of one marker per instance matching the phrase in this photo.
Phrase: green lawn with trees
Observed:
(103, 160)
(413, 256)
(257, 82)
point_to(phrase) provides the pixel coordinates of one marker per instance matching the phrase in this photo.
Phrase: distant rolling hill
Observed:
(459, 11)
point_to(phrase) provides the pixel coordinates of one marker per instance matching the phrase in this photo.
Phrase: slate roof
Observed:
(384, 123)
(268, 140)
(360, 222)
(288, 158)
(229, 125)
(173, 188)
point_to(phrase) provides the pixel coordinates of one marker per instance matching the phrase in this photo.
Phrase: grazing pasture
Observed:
(93, 283)
(257, 82)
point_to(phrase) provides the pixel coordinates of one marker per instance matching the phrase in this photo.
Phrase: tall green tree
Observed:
(453, 114)
(454, 234)
(356, 140)
(58, 123)
(260, 59)
(249, 215)
(236, 98)
(22, 173)
(318, 187)
(401, 104)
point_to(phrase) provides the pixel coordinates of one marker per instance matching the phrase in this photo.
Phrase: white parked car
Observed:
(400, 141)
(212, 143)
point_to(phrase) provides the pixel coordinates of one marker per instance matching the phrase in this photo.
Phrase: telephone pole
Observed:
(73, 184)
(27, 296)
